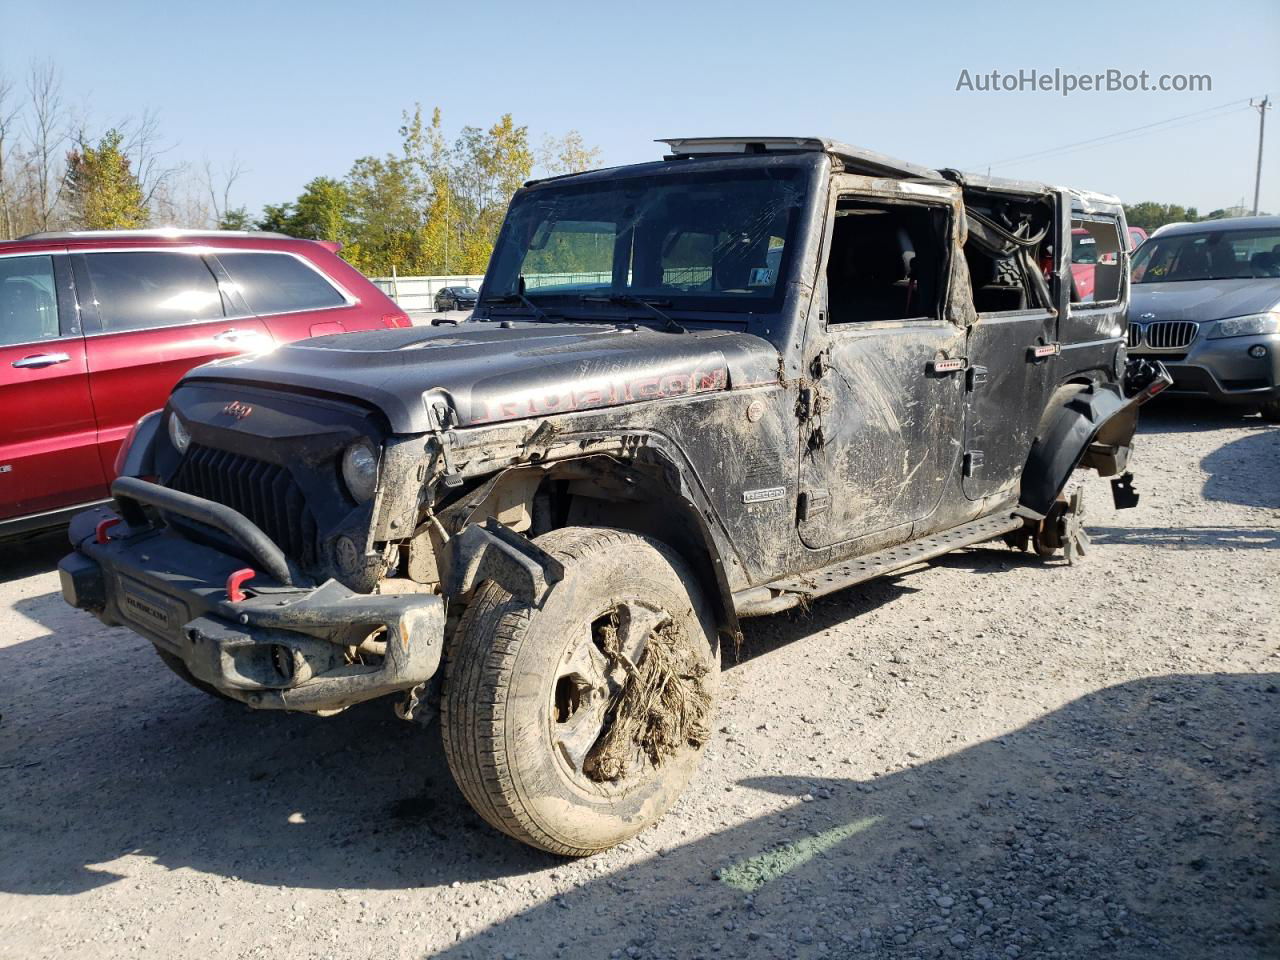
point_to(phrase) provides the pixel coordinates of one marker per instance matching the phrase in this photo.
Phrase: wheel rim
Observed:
(589, 683)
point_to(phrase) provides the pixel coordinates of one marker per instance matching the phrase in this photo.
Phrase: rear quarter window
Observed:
(279, 283)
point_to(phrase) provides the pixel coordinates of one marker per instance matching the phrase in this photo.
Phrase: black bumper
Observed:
(284, 646)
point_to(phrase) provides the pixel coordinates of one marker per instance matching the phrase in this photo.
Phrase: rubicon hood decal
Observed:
(676, 380)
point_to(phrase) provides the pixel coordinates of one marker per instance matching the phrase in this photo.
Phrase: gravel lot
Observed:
(988, 757)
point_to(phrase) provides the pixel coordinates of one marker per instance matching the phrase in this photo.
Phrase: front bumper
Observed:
(284, 646)
(1222, 370)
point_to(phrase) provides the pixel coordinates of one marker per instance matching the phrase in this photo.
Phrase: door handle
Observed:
(235, 336)
(35, 361)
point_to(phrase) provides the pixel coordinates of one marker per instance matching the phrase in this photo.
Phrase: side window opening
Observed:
(1010, 253)
(1096, 267)
(886, 262)
(28, 304)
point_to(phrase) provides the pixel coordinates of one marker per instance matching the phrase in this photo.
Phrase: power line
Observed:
(1139, 135)
(1219, 110)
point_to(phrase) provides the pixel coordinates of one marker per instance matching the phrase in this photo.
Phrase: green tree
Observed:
(237, 218)
(321, 211)
(276, 217)
(102, 190)
(1150, 215)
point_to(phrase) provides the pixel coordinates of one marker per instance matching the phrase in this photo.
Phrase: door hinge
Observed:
(812, 503)
(805, 403)
(821, 364)
(974, 378)
(972, 462)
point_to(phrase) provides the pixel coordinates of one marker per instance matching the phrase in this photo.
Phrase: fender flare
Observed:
(137, 454)
(1062, 444)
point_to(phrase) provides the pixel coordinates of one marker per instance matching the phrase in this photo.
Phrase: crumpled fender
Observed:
(1063, 443)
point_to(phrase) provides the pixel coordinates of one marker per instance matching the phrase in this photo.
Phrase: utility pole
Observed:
(1262, 106)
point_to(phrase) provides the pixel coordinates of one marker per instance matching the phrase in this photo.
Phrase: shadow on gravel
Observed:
(1184, 415)
(1137, 821)
(1245, 471)
(32, 555)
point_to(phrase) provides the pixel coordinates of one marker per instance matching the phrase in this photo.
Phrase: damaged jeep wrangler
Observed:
(704, 388)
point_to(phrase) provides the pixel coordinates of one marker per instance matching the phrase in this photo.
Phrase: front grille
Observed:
(263, 492)
(1170, 334)
(1135, 335)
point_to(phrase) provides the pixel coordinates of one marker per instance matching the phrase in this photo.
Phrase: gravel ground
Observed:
(987, 757)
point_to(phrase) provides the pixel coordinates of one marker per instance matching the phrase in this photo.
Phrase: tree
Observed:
(236, 218)
(321, 211)
(1149, 215)
(102, 191)
(567, 154)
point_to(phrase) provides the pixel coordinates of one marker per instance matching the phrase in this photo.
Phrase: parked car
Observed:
(456, 298)
(1206, 302)
(549, 519)
(97, 327)
(1085, 257)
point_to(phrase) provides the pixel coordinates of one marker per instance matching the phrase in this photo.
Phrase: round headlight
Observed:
(360, 470)
(178, 434)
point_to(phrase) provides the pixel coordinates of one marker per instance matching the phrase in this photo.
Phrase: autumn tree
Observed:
(102, 191)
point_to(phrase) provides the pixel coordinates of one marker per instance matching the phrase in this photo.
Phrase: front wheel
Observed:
(575, 726)
(1271, 411)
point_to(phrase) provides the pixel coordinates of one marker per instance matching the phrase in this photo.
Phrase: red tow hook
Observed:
(100, 531)
(236, 581)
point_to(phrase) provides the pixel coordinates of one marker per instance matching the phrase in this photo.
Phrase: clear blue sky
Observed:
(301, 89)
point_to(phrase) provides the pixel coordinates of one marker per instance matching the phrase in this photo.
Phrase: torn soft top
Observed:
(854, 159)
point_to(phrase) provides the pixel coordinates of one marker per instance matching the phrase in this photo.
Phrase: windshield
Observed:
(705, 241)
(1212, 255)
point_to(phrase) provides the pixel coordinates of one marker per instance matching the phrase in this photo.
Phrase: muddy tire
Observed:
(535, 701)
(175, 664)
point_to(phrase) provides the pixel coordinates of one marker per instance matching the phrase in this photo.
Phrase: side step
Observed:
(790, 591)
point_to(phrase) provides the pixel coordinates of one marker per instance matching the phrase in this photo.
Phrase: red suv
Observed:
(97, 327)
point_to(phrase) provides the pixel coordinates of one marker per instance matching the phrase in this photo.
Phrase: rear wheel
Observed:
(575, 726)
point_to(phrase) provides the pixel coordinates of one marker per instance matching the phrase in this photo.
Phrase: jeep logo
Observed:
(237, 409)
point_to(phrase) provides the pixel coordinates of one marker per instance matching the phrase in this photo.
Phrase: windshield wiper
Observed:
(519, 298)
(624, 298)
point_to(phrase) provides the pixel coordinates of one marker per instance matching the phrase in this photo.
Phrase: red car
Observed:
(97, 327)
(1084, 257)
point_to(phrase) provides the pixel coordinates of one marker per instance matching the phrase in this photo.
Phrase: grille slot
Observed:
(263, 492)
(1170, 334)
(1135, 335)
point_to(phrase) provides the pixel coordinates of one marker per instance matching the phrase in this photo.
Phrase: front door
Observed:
(48, 435)
(882, 411)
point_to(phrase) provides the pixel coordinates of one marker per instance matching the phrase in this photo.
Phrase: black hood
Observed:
(489, 373)
(1202, 299)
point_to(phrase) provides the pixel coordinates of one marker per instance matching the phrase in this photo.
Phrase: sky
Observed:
(294, 90)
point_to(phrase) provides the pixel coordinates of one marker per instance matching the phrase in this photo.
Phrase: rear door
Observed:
(48, 435)
(1018, 273)
(150, 316)
(290, 294)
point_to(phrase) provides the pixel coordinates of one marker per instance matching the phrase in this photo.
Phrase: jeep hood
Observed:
(486, 372)
(1202, 299)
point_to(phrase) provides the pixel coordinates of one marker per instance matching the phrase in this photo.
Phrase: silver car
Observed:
(1205, 300)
